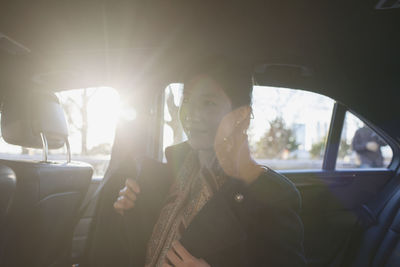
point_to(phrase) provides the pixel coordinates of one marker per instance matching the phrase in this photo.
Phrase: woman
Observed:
(219, 207)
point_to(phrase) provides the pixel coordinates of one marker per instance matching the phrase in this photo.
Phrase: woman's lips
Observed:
(197, 131)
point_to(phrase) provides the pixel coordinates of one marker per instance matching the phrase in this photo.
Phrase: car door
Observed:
(333, 191)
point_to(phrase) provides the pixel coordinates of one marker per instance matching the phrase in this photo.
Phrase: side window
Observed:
(289, 128)
(172, 129)
(91, 115)
(361, 147)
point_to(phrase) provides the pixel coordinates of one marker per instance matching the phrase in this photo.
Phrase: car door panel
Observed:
(330, 200)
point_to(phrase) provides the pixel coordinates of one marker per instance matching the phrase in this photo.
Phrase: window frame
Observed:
(333, 140)
(395, 161)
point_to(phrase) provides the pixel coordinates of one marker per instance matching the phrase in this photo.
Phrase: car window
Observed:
(172, 130)
(289, 128)
(361, 147)
(91, 115)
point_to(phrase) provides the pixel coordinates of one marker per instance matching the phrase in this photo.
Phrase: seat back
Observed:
(43, 212)
(48, 194)
(379, 245)
(7, 190)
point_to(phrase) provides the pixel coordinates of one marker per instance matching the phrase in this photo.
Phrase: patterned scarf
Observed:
(191, 190)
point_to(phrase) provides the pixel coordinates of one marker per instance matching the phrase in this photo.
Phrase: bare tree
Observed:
(174, 123)
(73, 109)
(85, 123)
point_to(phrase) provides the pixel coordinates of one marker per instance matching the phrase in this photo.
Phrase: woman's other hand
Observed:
(232, 146)
(178, 256)
(127, 196)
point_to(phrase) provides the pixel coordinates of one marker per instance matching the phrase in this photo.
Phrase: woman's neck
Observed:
(206, 157)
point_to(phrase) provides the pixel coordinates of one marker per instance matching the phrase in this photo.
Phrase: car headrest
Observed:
(24, 116)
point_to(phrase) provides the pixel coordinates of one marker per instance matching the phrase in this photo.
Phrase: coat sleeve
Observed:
(358, 143)
(256, 225)
(271, 215)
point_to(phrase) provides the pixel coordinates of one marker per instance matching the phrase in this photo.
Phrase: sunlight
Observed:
(103, 107)
(103, 114)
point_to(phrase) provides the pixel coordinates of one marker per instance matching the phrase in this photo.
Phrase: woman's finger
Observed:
(118, 208)
(128, 193)
(132, 185)
(127, 203)
(173, 258)
(124, 203)
(127, 196)
(181, 251)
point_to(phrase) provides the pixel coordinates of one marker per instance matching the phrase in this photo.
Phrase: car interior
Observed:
(345, 50)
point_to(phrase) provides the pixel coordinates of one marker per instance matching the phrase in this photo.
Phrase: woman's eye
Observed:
(209, 103)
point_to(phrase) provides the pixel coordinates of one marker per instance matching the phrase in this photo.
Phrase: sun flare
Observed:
(103, 108)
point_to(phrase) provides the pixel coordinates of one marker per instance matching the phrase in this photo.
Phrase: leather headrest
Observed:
(25, 115)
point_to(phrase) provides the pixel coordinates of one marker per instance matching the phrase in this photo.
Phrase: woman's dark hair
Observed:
(234, 79)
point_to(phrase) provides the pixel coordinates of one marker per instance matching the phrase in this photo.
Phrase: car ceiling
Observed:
(351, 48)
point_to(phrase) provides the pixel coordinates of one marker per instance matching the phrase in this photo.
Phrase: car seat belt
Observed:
(85, 204)
(112, 170)
(65, 259)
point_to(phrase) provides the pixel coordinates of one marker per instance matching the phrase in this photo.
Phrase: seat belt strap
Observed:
(111, 171)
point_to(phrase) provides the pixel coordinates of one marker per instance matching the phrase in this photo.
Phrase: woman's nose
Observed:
(194, 113)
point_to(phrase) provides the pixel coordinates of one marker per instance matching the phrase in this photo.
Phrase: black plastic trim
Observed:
(335, 132)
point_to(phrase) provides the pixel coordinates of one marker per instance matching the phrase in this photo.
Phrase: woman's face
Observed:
(203, 106)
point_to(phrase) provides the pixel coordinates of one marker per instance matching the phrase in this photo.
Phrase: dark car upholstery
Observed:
(379, 244)
(42, 214)
(7, 190)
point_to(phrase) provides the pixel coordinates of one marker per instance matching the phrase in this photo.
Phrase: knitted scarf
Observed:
(190, 191)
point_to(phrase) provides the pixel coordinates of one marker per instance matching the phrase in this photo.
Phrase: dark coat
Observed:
(261, 229)
(372, 159)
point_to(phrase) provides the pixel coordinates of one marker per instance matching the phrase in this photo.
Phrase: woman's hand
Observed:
(127, 196)
(178, 256)
(372, 146)
(232, 147)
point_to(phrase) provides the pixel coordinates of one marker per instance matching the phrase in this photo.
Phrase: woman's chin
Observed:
(200, 145)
